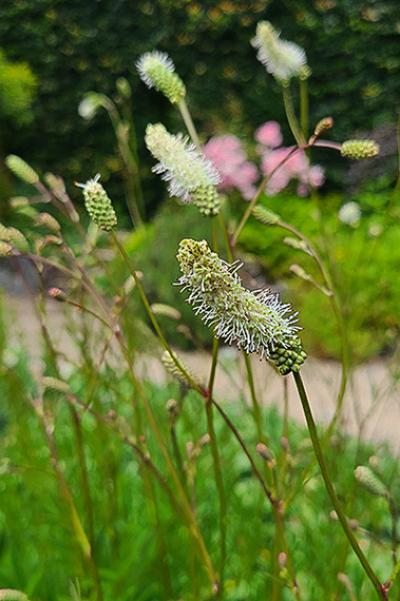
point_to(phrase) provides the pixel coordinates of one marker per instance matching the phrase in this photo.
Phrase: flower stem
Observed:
(187, 119)
(217, 466)
(304, 108)
(291, 116)
(331, 491)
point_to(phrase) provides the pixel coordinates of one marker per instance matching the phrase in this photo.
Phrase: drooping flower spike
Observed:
(256, 322)
(157, 71)
(98, 204)
(190, 176)
(281, 59)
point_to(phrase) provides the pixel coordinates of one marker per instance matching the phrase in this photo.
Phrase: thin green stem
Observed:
(219, 481)
(331, 491)
(291, 116)
(304, 106)
(254, 401)
(187, 118)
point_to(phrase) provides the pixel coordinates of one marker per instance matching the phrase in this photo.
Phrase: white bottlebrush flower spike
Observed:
(157, 71)
(257, 322)
(190, 176)
(281, 58)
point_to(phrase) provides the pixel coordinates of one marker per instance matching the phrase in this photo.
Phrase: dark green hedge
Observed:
(72, 46)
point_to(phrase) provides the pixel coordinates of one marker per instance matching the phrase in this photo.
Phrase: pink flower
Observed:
(228, 156)
(269, 134)
(296, 167)
(316, 176)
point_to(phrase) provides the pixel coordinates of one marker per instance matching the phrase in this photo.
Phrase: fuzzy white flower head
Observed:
(257, 322)
(157, 71)
(190, 176)
(281, 58)
(350, 213)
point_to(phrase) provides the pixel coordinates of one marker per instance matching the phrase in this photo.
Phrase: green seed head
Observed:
(207, 200)
(370, 481)
(289, 358)
(157, 71)
(98, 204)
(359, 149)
(265, 216)
(21, 169)
(14, 238)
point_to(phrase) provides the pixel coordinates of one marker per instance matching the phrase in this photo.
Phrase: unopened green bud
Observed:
(48, 221)
(14, 237)
(370, 481)
(297, 244)
(21, 169)
(359, 149)
(323, 125)
(289, 358)
(265, 216)
(206, 199)
(98, 204)
(185, 375)
(157, 71)
(124, 87)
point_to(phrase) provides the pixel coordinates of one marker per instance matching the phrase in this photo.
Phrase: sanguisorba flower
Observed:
(157, 71)
(98, 204)
(359, 149)
(190, 176)
(257, 322)
(21, 169)
(281, 58)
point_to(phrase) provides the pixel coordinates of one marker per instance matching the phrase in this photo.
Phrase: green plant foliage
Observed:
(17, 90)
(40, 556)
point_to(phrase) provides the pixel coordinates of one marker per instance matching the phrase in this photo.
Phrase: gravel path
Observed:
(372, 402)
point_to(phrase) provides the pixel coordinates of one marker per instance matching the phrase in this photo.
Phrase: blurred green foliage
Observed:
(352, 47)
(365, 258)
(17, 90)
(146, 557)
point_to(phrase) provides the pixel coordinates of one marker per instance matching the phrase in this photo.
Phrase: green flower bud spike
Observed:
(256, 322)
(174, 370)
(21, 169)
(370, 481)
(157, 71)
(14, 238)
(359, 149)
(98, 204)
(265, 216)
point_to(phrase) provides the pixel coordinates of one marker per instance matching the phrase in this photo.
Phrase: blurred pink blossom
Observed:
(316, 176)
(228, 156)
(296, 167)
(269, 134)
